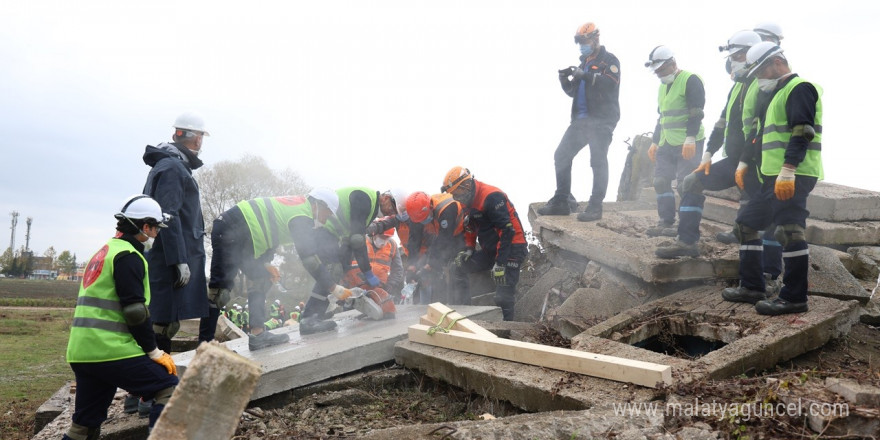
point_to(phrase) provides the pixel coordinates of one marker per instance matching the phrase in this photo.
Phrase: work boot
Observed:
(572, 203)
(743, 295)
(144, 407)
(312, 324)
(591, 214)
(130, 404)
(727, 237)
(555, 206)
(663, 229)
(266, 339)
(779, 306)
(678, 249)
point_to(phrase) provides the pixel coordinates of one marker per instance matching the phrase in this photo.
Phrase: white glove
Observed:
(338, 293)
(155, 354)
(183, 275)
(705, 163)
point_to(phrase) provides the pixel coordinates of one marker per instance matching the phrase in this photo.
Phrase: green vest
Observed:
(339, 224)
(268, 219)
(99, 332)
(777, 134)
(674, 111)
(750, 109)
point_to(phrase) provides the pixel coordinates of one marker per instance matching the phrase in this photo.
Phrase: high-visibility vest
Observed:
(777, 133)
(268, 218)
(674, 111)
(339, 224)
(750, 118)
(380, 262)
(99, 332)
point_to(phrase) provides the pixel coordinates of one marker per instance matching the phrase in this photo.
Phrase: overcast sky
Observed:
(379, 94)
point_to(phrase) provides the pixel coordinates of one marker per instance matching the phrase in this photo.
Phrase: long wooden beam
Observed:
(437, 310)
(593, 364)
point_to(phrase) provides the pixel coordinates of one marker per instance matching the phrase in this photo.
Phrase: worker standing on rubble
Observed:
(245, 237)
(503, 246)
(791, 164)
(721, 174)
(177, 260)
(112, 344)
(594, 86)
(444, 216)
(678, 137)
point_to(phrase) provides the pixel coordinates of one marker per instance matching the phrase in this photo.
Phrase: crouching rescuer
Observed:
(112, 344)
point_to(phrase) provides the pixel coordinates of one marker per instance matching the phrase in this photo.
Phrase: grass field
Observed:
(33, 340)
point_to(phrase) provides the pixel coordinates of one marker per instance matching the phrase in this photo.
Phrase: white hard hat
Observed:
(400, 195)
(296, 308)
(769, 31)
(659, 56)
(741, 40)
(277, 301)
(142, 207)
(760, 53)
(191, 121)
(326, 195)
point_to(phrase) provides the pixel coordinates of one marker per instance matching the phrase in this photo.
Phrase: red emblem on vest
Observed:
(96, 265)
(291, 200)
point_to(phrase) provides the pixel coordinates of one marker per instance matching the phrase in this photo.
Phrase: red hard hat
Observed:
(418, 206)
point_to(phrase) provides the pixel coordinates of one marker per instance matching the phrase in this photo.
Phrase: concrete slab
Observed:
(747, 341)
(619, 241)
(354, 344)
(828, 276)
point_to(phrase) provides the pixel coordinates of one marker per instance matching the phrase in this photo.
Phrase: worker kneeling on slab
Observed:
(244, 239)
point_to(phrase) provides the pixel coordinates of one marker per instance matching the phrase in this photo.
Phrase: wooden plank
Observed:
(436, 311)
(607, 367)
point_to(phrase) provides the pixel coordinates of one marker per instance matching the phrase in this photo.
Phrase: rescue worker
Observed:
(358, 206)
(276, 310)
(721, 174)
(177, 260)
(678, 137)
(294, 317)
(791, 164)
(112, 344)
(498, 230)
(594, 86)
(244, 239)
(392, 205)
(385, 261)
(444, 217)
(769, 31)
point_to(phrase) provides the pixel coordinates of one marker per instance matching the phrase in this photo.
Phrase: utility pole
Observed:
(14, 215)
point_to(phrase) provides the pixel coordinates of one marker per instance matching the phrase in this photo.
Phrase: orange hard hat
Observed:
(586, 31)
(418, 206)
(454, 179)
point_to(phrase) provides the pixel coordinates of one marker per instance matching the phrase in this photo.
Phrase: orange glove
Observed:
(705, 164)
(338, 293)
(689, 148)
(163, 359)
(784, 183)
(740, 174)
(652, 152)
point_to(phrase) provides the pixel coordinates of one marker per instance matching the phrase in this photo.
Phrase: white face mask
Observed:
(149, 243)
(667, 79)
(767, 85)
(380, 242)
(736, 69)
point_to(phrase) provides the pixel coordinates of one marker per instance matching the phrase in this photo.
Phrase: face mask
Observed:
(149, 243)
(736, 70)
(767, 85)
(586, 49)
(380, 242)
(667, 79)
(428, 220)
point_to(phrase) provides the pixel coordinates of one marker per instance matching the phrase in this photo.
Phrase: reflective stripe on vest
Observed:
(98, 332)
(268, 219)
(340, 224)
(674, 111)
(777, 134)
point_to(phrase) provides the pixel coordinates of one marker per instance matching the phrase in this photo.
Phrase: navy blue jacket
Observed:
(171, 183)
(602, 94)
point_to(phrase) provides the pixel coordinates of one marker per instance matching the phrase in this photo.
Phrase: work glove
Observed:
(338, 293)
(689, 148)
(498, 275)
(219, 296)
(163, 359)
(652, 152)
(371, 278)
(565, 73)
(183, 274)
(463, 257)
(784, 184)
(705, 163)
(740, 174)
